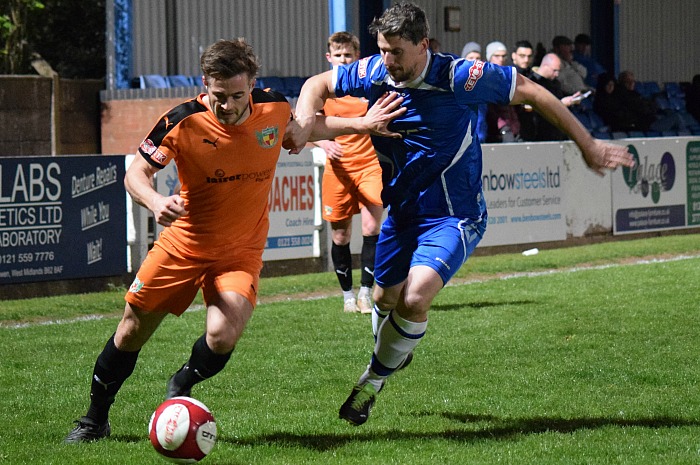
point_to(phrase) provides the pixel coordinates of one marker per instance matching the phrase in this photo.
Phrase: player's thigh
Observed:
(445, 244)
(337, 197)
(230, 294)
(165, 282)
(393, 255)
(369, 185)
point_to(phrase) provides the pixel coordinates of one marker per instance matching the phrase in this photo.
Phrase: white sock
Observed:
(347, 295)
(364, 292)
(395, 340)
(378, 317)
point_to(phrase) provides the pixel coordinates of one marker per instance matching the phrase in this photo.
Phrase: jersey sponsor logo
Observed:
(207, 141)
(220, 176)
(475, 73)
(147, 146)
(362, 67)
(267, 138)
(159, 157)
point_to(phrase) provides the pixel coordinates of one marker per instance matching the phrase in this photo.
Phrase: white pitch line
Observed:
(529, 274)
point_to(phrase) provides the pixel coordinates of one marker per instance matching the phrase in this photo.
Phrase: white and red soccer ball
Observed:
(182, 430)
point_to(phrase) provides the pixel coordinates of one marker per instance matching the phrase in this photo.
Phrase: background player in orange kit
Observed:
(352, 183)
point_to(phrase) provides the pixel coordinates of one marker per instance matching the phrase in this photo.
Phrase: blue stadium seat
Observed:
(673, 89)
(585, 119)
(149, 81)
(688, 119)
(293, 85)
(196, 80)
(271, 82)
(652, 134)
(636, 134)
(598, 122)
(669, 133)
(662, 102)
(604, 135)
(677, 103)
(619, 135)
(179, 80)
(653, 88)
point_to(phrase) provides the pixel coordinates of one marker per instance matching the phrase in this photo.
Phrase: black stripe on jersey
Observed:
(266, 96)
(168, 122)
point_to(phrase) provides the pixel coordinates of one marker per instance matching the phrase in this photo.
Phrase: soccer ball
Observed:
(182, 430)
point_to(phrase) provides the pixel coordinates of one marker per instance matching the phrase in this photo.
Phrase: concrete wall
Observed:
(31, 127)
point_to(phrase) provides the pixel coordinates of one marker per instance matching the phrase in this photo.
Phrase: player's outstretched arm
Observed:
(313, 95)
(598, 155)
(376, 121)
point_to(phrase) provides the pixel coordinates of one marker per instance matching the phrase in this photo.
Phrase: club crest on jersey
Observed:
(136, 286)
(475, 73)
(267, 138)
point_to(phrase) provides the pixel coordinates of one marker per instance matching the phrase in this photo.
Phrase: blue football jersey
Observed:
(436, 166)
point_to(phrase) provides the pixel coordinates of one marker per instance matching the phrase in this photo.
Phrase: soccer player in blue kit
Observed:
(437, 212)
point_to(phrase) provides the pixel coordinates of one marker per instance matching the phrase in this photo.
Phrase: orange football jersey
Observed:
(225, 172)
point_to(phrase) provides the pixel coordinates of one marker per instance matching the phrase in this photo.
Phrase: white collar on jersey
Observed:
(418, 80)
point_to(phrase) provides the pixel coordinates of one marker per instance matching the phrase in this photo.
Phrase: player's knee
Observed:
(416, 303)
(223, 340)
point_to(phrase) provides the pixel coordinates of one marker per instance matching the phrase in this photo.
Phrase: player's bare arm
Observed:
(139, 184)
(598, 155)
(376, 122)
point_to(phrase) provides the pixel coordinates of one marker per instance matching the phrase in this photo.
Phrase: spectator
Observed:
(522, 57)
(692, 98)
(471, 51)
(540, 52)
(502, 122)
(434, 45)
(496, 53)
(533, 127)
(572, 73)
(582, 54)
(608, 106)
(643, 113)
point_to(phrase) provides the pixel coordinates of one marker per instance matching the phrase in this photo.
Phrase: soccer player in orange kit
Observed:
(352, 183)
(225, 144)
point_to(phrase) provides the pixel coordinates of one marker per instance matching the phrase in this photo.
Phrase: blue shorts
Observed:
(443, 244)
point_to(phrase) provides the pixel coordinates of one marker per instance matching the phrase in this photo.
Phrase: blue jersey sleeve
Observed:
(477, 82)
(355, 79)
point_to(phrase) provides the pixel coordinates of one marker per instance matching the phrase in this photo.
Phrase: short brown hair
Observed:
(403, 19)
(225, 59)
(342, 38)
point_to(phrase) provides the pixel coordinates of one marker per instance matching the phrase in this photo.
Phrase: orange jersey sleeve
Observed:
(225, 171)
(358, 151)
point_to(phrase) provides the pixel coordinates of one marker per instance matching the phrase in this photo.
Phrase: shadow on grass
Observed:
(497, 429)
(476, 305)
